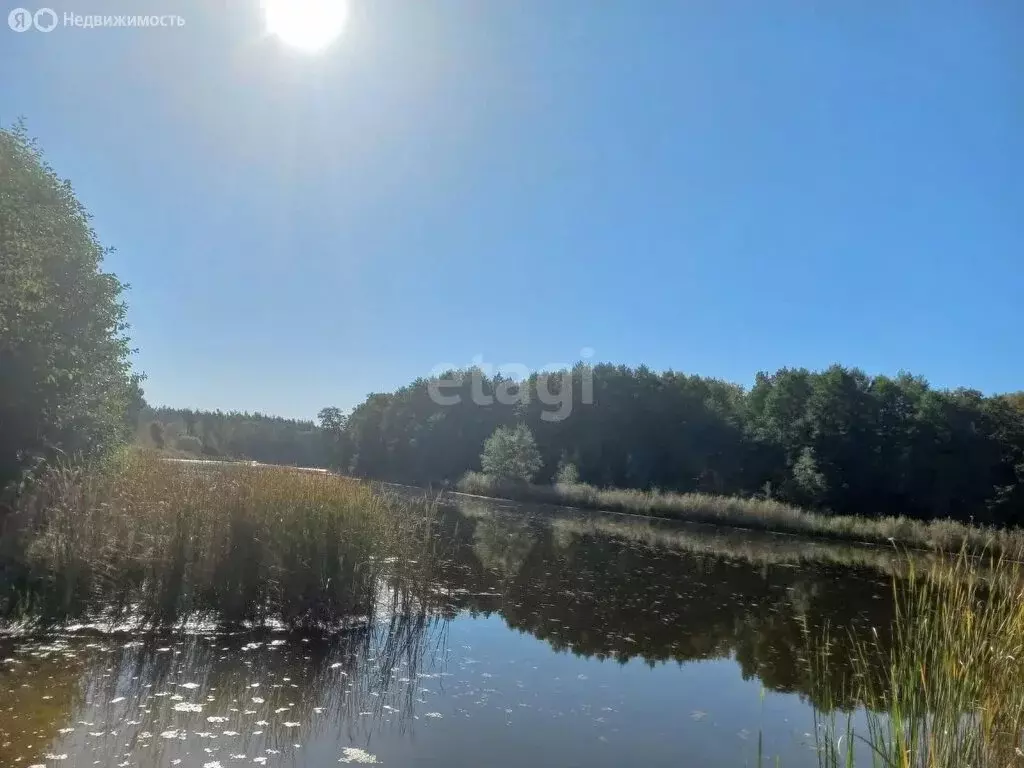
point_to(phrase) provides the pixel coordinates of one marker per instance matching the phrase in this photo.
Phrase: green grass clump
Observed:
(755, 514)
(161, 542)
(949, 692)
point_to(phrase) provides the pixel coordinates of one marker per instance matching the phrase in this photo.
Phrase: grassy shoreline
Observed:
(757, 514)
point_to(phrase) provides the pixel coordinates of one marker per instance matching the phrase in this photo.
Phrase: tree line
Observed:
(234, 435)
(838, 440)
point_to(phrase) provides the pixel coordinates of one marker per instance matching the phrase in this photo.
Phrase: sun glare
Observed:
(309, 25)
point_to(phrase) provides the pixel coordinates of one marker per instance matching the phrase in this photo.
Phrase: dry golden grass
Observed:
(756, 514)
(163, 541)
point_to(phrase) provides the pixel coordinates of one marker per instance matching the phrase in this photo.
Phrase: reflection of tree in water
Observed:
(502, 545)
(615, 598)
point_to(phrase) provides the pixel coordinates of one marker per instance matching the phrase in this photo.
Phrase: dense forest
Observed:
(234, 435)
(837, 439)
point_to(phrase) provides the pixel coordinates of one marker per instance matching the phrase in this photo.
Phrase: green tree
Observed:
(65, 379)
(511, 454)
(333, 425)
(811, 483)
(567, 473)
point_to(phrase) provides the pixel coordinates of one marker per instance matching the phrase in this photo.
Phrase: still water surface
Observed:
(555, 639)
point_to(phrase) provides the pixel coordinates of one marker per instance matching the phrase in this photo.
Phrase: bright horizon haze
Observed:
(714, 187)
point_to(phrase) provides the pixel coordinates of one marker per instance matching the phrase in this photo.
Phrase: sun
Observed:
(309, 25)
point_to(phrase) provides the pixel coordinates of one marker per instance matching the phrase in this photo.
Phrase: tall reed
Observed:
(951, 692)
(164, 542)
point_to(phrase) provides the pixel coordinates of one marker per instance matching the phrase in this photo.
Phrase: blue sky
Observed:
(718, 187)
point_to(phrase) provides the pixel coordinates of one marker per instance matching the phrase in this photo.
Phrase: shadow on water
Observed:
(645, 597)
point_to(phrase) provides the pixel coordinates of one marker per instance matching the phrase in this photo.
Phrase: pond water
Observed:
(552, 638)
